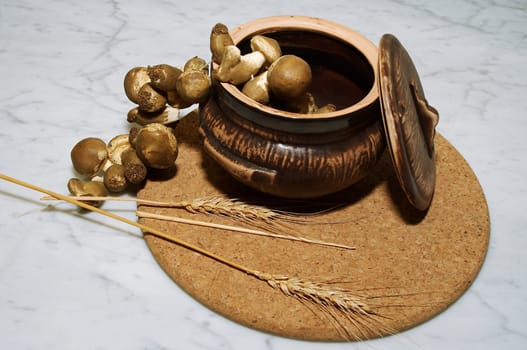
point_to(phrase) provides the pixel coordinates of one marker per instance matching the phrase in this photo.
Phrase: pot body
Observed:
(294, 155)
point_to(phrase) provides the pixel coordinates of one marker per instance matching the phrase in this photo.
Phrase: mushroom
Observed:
(304, 104)
(219, 39)
(114, 178)
(175, 100)
(193, 85)
(156, 146)
(134, 169)
(81, 188)
(258, 88)
(122, 152)
(116, 146)
(132, 134)
(134, 79)
(163, 76)
(326, 109)
(289, 77)
(196, 64)
(149, 99)
(267, 46)
(89, 155)
(166, 116)
(237, 69)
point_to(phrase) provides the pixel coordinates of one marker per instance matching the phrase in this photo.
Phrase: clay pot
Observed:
(296, 155)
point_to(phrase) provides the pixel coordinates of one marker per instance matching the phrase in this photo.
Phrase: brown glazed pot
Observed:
(296, 155)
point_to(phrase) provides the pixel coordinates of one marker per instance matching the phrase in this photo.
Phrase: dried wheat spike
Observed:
(341, 306)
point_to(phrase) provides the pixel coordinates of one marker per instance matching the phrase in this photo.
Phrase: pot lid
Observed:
(409, 122)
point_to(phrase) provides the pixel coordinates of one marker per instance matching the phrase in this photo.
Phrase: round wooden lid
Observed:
(409, 122)
(408, 265)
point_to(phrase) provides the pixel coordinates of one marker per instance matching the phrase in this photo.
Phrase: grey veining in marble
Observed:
(71, 281)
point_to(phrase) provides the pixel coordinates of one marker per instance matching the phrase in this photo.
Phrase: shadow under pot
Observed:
(295, 155)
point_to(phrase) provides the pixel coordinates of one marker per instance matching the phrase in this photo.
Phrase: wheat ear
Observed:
(255, 215)
(340, 305)
(147, 215)
(337, 302)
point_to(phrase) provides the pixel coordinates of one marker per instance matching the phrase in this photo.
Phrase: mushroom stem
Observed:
(258, 88)
(237, 69)
(166, 116)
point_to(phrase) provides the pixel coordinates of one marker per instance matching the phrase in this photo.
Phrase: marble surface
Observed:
(71, 281)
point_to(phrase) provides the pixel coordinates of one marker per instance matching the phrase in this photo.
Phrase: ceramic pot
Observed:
(297, 155)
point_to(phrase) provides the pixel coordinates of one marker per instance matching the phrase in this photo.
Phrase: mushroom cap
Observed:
(134, 79)
(114, 178)
(196, 64)
(268, 46)
(163, 76)
(289, 77)
(134, 169)
(116, 146)
(219, 39)
(193, 86)
(88, 156)
(156, 145)
(81, 188)
(150, 100)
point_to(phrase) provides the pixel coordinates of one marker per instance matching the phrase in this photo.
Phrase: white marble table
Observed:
(70, 281)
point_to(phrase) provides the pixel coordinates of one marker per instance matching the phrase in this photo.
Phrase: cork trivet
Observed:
(409, 265)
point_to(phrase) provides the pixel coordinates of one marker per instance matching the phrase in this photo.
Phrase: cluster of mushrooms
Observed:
(161, 91)
(123, 162)
(265, 75)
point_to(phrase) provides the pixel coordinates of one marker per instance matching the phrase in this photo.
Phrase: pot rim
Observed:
(320, 26)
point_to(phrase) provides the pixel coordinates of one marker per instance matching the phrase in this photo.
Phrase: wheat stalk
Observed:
(147, 215)
(256, 215)
(143, 214)
(340, 304)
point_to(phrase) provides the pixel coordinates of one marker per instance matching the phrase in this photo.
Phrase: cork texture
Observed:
(408, 265)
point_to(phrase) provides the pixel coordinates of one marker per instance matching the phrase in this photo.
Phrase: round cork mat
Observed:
(407, 267)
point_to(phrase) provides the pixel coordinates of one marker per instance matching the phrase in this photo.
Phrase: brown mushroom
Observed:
(258, 88)
(82, 188)
(114, 178)
(156, 146)
(134, 79)
(219, 39)
(166, 116)
(163, 76)
(236, 68)
(134, 169)
(193, 86)
(175, 100)
(289, 77)
(269, 47)
(196, 64)
(150, 100)
(88, 156)
(117, 146)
